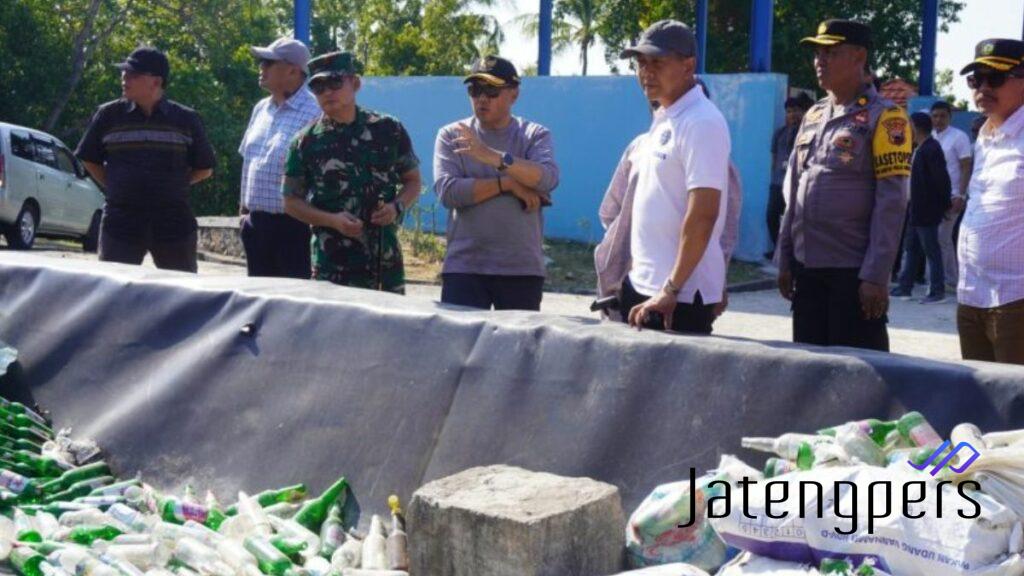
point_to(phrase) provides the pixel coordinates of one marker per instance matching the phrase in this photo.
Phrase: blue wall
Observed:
(592, 120)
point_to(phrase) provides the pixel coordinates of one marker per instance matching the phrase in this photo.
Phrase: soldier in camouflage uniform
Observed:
(846, 189)
(350, 175)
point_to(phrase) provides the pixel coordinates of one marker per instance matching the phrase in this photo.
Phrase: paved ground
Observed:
(915, 329)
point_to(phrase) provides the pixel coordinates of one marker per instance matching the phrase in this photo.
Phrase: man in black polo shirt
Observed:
(146, 150)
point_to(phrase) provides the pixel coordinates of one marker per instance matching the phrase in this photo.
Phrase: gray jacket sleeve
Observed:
(886, 226)
(784, 248)
(454, 190)
(542, 152)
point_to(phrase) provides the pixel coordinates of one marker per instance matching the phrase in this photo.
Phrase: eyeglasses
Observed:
(321, 85)
(993, 79)
(477, 90)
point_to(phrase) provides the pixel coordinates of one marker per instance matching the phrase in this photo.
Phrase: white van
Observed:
(45, 190)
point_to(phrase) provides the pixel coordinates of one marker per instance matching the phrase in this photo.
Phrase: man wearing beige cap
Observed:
(275, 243)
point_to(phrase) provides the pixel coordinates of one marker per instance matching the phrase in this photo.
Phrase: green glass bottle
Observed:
(289, 546)
(314, 512)
(174, 510)
(22, 421)
(26, 561)
(24, 528)
(65, 480)
(914, 428)
(56, 508)
(11, 443)
(269, 559)
(778, 466)
(79, 489)
(296, 493)
(19, 408)
(876, 429)
(26, 471)
(30, 434)
(805, 457)
(86, 534)
(43, 465)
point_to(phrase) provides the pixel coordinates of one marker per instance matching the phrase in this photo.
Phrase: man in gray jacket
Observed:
(494, 172)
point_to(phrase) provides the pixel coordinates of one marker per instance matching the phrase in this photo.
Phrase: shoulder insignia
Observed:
(891, 145)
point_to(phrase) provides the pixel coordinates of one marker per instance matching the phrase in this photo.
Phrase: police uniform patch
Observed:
(844, 142)
(665, 136)
(814, 114)
(890, 145)
(895, 130)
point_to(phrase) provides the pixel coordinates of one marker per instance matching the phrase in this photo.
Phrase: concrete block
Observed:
(506, 521)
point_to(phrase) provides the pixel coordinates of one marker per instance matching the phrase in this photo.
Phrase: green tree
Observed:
(574, 23)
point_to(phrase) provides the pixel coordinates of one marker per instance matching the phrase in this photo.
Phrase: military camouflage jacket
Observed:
(351, 167)
(846, 187)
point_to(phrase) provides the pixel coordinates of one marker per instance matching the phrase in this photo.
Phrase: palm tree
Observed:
(573, 23)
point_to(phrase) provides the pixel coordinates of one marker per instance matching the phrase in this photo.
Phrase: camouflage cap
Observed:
(334, 63)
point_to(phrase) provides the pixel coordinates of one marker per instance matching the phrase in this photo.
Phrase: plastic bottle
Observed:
(130, 518)
(314, 511)
(253, 516)
(174, 510)
(786, 446)
(283, 509)
(916, 429)
(24, 528)
(397, 542)
(375, 556)
(349, 555)
(7, 536)
(332, 532)
(200, 557)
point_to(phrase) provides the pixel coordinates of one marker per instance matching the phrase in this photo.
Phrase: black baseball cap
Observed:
(999, 54)
(662, 38)
(146, 60)
(834, 32)
(493, 70)
(802, 101)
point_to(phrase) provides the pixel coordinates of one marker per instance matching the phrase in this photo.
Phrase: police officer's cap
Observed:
(334, 64)
(493, 70)
(834, 32)
(1000, 54)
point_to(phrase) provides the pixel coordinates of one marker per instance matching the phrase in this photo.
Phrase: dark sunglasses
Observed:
(321, 85)
(477, 90)
(993, 79)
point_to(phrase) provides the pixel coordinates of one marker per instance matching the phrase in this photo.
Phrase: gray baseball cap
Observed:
(288, 50)
(662, 38)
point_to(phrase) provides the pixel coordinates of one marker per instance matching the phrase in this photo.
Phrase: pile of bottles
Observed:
(63, 517)
(872, 442)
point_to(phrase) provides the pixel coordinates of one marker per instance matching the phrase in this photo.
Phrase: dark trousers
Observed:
(827, 312)
(776, 206)
(922, 241)
(695, 318)
(487, 290)
(276, 245)
(992, 334)
(167, 255)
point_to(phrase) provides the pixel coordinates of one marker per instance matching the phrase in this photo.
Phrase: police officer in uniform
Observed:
(847, 181)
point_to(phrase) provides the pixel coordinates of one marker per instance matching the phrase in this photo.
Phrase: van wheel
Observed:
(22, 234)
(91, 240)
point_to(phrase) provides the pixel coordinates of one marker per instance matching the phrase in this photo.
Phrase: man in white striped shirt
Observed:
(990, 318)
(275, 243)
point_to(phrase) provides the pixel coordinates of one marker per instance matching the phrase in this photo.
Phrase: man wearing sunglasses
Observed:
(990, 316)
(493, 172)
(846, 199)
(351, 175)
(275, 243)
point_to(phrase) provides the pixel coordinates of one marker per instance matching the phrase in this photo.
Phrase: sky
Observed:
(979, 19)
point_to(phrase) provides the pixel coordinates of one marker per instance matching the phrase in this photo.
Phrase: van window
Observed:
(21, 145)
(65, 162)
(45, 153)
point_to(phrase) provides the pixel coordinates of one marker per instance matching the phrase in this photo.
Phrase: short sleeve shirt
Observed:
(956, 146)
(687, 147)
(148, 162)
(351, 167)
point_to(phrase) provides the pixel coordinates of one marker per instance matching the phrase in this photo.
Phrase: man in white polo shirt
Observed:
(681, 167)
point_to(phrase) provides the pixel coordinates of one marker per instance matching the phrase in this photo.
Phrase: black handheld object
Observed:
(605, 304)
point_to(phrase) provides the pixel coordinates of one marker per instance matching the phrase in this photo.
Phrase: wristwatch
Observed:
(506, 160)
(670, 288)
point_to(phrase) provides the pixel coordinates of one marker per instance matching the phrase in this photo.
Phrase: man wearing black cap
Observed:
(681, 166)
(146, 151)
(846, 199)
(990, 317)
(782, 146)
(494, 172)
